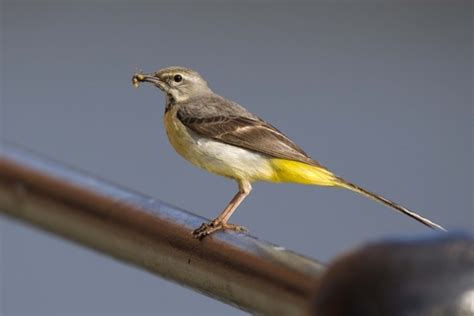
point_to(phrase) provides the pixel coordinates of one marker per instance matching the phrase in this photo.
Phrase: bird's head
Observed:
(178, 83)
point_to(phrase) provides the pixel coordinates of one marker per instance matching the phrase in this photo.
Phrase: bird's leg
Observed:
(220, 222)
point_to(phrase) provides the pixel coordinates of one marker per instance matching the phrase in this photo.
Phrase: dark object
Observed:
(422, 277)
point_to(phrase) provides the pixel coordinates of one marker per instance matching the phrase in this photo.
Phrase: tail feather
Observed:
(345, 184)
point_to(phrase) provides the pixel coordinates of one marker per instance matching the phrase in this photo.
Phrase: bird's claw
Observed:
(211, 227)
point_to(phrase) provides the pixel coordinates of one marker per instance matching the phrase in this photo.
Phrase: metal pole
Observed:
(237, 269)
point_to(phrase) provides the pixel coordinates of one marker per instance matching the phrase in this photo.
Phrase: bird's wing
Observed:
(246, 132)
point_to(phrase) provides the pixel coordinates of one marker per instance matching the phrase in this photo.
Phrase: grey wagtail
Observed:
(224, 138)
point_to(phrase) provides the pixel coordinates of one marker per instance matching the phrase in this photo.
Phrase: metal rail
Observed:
(237, 269)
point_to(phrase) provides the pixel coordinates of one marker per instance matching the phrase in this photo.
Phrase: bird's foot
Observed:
(213, 226)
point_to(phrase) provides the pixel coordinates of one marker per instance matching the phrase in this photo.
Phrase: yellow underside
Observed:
(298, 172)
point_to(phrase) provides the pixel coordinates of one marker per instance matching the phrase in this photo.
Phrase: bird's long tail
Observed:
(345, 184)
(298, 172)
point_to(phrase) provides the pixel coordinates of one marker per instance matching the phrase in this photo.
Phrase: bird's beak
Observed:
(139, 77)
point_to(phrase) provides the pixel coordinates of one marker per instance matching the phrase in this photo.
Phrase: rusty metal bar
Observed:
(237, 269)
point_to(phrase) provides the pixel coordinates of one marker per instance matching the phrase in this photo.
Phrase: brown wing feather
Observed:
(249, 133)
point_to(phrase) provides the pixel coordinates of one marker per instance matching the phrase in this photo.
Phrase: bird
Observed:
(224, 138)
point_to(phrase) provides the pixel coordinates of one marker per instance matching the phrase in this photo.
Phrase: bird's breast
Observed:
(214, 156)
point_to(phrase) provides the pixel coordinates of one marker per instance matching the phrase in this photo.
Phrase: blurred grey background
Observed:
(381, 93)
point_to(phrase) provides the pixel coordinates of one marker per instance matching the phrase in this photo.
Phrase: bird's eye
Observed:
(177, 78)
